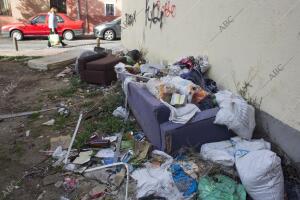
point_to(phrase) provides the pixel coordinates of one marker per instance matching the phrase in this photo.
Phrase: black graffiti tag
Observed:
(154, 14)
(130, 19)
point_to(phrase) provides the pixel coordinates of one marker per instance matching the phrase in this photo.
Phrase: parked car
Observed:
(109, 30)
(38, 26)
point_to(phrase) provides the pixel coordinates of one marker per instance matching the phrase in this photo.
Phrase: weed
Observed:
(243, 91)
(243, 88)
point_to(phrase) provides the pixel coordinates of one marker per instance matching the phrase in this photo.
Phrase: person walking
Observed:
(52, 24)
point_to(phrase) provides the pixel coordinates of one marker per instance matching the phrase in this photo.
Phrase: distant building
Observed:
(91, 11)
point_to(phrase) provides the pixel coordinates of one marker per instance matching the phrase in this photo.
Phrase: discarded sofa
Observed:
(98, 68)
(153, 117)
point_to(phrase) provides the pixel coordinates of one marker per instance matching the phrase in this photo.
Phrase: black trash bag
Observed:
(135, 55)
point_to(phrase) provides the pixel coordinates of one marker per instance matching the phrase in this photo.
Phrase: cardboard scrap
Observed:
(83, 157)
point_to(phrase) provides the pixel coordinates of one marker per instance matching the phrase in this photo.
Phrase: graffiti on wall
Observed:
(169, 9)
(130, 19)
(156, 12)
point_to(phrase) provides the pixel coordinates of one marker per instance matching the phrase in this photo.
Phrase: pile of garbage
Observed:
(223, 170)
(126, 164)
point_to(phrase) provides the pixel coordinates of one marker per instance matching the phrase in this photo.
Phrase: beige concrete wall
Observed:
(243, 39)
(24, 9)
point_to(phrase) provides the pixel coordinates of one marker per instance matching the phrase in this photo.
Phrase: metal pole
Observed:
(16, 43)
(98, 42)
(73, 138)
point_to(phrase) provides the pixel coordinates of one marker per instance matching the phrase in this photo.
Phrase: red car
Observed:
(38, 26)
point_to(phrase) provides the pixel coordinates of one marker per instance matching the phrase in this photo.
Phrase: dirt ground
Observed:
(23, 165)
(23, 90)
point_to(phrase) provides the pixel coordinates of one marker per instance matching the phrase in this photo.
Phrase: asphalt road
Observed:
(6, 44)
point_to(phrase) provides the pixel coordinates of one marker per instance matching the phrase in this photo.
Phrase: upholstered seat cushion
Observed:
(104, 64)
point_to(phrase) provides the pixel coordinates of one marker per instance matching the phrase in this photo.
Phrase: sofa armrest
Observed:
(200, 130)
(82, 61)
(148, 111)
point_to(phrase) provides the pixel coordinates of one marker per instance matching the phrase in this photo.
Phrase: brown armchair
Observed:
(99, 68)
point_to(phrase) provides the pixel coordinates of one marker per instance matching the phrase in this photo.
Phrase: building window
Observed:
(5, 7)
(109, 9)
(61, 5)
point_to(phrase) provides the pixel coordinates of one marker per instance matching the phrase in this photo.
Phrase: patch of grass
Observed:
(75, 83)
(51, 96)
(68, 92)
(110, 124)
(93, 94)
(87, 104)
(17, 58)
(36, 131)
(18, 149)
(60, 122)
(89, 128)
(46, 146)
(110, 102)
(113, 124)
(105, 122)
(34, 116)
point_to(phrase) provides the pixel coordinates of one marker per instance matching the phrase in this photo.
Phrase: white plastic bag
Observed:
(236, 114)
(242, 146)
(225, 152)
(157, 180)
(261, 174)
(153, 86)
(120, 68)
(218, 152)
(54, 39)
(121, 112)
